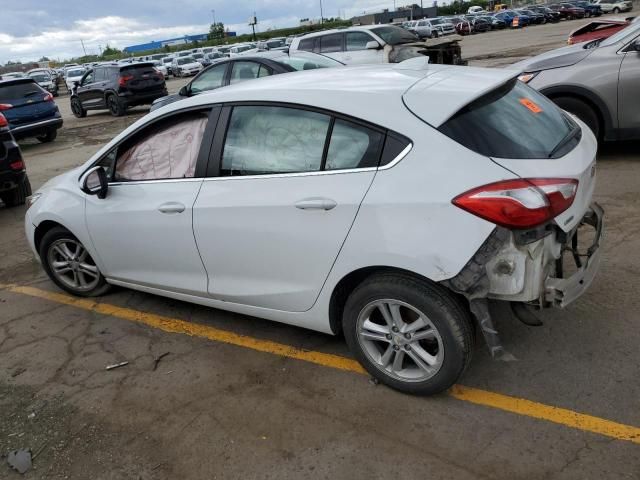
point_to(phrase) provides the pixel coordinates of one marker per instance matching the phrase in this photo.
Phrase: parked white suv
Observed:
(388, 203)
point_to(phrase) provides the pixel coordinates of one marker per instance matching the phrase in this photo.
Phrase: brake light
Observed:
(5, 106)
(48, 98)
(19, 165)
(521, 203)
(3, 121)
(122, 81)
(159, 73)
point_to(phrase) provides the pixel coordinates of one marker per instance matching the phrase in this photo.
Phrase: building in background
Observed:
(402, 14)
(154, 45)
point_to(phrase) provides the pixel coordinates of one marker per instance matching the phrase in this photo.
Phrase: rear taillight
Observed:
(521, 203)
(5, 106)
(19, 165)
(159, 74)
(122, 81)
(48, 98)
(3, 121)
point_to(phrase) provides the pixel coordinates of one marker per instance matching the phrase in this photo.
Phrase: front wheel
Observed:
(581, 110)
(409, 334)
(77, 109)
(435, 34)
(69, 265)
(616, 10)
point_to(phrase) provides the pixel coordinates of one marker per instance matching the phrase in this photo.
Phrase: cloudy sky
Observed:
(35, 28)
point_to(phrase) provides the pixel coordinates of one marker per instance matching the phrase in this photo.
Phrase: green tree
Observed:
(216, 31)
(111, 52)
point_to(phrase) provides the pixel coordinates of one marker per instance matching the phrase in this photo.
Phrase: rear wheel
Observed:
(17, 196)
(77, 109)
(69, 265)
(116, 107)
(581, 110)
(409, 334)
(50, 136)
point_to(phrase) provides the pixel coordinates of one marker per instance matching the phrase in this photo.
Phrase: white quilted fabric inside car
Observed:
(170, 152)
(274, 140)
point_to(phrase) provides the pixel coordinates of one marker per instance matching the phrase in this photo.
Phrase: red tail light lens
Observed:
(122, 81)
(521, 203)
(48, 98)
(19, 165)
(3, 121)
(5, 106)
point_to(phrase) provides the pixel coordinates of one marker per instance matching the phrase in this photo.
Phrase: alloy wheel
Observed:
(72, 265)
(400, 340)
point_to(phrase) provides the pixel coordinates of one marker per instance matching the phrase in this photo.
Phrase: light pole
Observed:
(321, 15)
(213, 12)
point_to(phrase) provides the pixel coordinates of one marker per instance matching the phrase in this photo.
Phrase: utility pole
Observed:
(83, 49)
(321, 15)
(213, 12)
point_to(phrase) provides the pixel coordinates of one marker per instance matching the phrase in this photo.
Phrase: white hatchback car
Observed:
(389, 203)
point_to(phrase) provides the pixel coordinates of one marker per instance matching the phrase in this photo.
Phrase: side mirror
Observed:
(372, 45)
(94, 182)
(184, 91)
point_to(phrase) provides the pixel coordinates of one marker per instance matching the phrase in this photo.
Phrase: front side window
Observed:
(88, 78)
(307, 44)
(394, 35)
(353, 146)
(357, 41)
(269, 140)
(243, 71)
(167, 149)
(514, 121)
(209, 79)
(331, 43)
(307, 61)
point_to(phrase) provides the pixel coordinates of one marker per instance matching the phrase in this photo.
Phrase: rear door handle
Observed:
(171, 207)
(316, 204)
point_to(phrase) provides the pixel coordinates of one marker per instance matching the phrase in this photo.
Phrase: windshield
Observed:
(394, 35)
(514, 121)
(167, 60)
(308, 62)
(631, 30)
(185, 60)
(75, 73)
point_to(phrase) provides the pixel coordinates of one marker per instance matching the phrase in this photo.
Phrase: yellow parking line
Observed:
(519, 406)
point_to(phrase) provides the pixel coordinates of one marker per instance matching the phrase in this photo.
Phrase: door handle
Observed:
(316, 204)
(171, 207)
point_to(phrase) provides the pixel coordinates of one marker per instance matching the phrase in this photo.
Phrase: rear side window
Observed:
(269, 140)
(514, 121)
(394, 145)
(353, 146)
(19, 90)
(331, 43)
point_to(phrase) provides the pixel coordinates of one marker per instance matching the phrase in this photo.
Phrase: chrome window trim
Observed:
(397, 160)
(163, 180)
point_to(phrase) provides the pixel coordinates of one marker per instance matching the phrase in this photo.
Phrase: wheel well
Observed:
(348, 284)
(41, 231)
(596, 109)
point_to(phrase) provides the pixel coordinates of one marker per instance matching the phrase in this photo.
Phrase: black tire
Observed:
(583, 111)
(17, 196)
(50, 238)
(616, 11)
(447, 314)
(50, 136)
(435, 34)
(77, 109)
(115, 105)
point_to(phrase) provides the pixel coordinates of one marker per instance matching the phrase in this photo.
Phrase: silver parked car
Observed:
(598, 81)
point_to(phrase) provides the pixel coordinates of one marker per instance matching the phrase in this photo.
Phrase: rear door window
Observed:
(514, 121)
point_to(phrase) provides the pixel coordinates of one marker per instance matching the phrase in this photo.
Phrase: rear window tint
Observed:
(18, 90)
(514, 121)
(138, 69)
(394, 144)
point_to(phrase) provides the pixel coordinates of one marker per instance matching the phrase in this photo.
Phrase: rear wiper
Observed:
(567, 138)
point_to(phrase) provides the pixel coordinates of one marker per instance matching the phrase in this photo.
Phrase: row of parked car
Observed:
(479, 21)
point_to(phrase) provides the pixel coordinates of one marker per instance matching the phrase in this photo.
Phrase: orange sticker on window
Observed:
(530, 105)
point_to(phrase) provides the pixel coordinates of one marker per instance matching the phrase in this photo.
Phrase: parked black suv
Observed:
(117, 87)
(14, 183)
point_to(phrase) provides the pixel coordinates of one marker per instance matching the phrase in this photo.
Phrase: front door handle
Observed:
(171, 207)
(316, 204)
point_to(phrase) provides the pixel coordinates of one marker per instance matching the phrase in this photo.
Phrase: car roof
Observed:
(435, 92)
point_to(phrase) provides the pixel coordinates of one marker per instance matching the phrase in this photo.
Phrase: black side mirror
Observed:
(184, 91)
(94, 182)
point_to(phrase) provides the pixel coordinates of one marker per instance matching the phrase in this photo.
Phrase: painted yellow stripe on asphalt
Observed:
(519, 406)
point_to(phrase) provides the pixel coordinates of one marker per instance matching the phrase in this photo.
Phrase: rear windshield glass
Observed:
(75, 73)
(514, 121)
(394, 35)
(138, 70)
(18, 90)
(40, 77)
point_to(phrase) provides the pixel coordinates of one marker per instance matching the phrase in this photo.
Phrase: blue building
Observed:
(171, 42)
